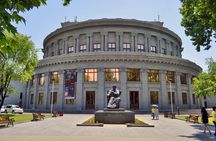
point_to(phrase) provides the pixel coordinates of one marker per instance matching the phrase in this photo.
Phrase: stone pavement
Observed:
(65, 129)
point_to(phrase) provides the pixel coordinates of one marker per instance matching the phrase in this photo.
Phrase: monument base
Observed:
(114, 116)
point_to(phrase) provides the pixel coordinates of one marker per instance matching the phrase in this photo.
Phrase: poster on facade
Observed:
(70, 87)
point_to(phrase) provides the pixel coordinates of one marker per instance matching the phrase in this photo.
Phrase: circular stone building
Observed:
(83, 60)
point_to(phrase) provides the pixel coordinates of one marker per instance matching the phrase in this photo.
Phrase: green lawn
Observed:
(199, 119)
(19, 118)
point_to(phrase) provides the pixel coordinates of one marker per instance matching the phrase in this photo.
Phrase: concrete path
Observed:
(65, 129)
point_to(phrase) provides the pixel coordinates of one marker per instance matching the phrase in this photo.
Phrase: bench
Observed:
(37, 116)
(6, 120)
(193, 118)
(169, 115)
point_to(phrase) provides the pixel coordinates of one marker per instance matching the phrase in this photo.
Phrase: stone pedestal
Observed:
(114, 116)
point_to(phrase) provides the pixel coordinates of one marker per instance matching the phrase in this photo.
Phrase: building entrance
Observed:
(134, 100)
(90, 100)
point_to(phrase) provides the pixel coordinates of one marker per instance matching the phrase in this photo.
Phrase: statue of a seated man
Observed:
(113, 97)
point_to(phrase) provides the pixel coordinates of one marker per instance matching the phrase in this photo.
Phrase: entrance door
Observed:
(134, 100)
(90, 100)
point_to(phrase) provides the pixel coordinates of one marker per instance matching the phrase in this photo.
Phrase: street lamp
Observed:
(51, 106)
(171, 98)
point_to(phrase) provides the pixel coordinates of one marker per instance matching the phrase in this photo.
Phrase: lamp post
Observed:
(171, 98)
(51, 106)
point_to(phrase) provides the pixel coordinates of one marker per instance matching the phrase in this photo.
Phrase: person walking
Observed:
(153, 112)
(214, 118)
(157, 113)
(205, 119)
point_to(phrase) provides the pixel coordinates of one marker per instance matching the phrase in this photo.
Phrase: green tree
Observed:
(10, 12)
(18, 58)
(199, 18)
(205, 84)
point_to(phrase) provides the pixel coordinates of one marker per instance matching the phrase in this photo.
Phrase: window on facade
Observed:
(69, 101)
(83, 48)
(32, 99)
(126, 47)
(53, 99)
(111, 74)
(184, 98)
(133, 75)
(140, 47)
(71, 49)
(153, 76)
(154, 97)
(111, 47)
(173, 98)
(97, 47)
(153, 49)
(41, 98)
(170, 77)
(42, 79)
(90, 75)
(163, 51)
(60, 51)
(54, 77)
(183, 78)
(194, 98)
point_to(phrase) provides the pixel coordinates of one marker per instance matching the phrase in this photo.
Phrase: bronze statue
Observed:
(113, 98)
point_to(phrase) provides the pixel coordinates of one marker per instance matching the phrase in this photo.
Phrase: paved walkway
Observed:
(65, 129)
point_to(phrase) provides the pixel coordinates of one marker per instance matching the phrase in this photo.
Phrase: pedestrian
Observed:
(178, 110)
(153, 112)
(157, 113)
(205, 119)
(214, 118)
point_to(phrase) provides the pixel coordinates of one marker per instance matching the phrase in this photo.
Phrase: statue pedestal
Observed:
(114, 116)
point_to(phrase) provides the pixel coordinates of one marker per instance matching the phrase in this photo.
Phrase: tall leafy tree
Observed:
(199, 18)
(10, 12)
(18, 58)
(205, 84)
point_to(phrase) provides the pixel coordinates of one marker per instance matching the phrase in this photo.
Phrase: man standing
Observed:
(214, 118)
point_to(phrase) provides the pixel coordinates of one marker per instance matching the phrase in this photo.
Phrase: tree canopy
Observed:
(205, 84)
(10, 12)
(18, 58)
(199, 18)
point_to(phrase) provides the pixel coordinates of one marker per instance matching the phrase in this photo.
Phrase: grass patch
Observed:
(20, 118)
(199, 119)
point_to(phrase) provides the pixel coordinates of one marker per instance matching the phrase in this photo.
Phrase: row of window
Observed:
(154, 98)
(113, 74)
(112, 47)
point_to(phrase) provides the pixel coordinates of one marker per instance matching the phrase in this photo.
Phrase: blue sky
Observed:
(40, 22)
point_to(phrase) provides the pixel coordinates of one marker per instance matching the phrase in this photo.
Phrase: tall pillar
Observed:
(105, 42)
(132, 41)
(190, 91)
(147, 46)
(123, 85)
(100, 99)
(135, 42)
(35, 91)
(179, 91)
(76, 43)
(163, 89)
(102, 41)
(158, 45)
(79, 91)
(118, 41)
(60, 102)
(28, 95)
(46, 90)
(144, 90)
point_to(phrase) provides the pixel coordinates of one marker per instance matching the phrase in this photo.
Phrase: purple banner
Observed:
(70, 87)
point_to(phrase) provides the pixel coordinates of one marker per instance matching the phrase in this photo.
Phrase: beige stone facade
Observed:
(141, 58)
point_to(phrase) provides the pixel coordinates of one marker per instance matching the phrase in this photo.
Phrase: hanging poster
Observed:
(70, 87)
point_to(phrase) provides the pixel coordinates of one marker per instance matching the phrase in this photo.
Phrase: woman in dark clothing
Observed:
(205, 120)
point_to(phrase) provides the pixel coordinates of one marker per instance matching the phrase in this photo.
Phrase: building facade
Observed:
(83, 60)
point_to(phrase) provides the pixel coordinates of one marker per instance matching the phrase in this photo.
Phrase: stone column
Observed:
(190, 91)
(105, 42)
(163, 90)
(135, 42)
(102, 41)
(76, 43)
(147, 46)
(60, 99)
(132, 41)
(66, 46)
(158, 45)
(123, 88)
(79, 91)
(144, 90)
(179, 91)
(100, 99)
(46, 91)
(35, 91)
(118, 41)
(28, 94)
